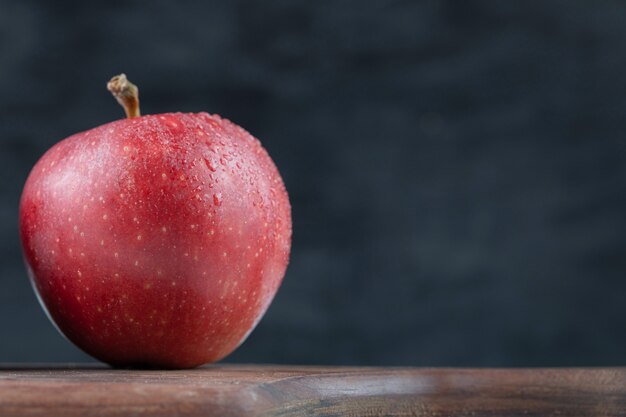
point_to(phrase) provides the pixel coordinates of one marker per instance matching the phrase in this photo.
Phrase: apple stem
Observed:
(126, 93)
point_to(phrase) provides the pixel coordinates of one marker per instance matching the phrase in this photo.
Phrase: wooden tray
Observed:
(264, 390)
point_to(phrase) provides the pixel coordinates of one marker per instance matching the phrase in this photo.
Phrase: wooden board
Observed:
(237, 390)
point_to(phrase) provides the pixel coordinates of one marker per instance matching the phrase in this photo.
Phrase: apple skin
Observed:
(156, 241)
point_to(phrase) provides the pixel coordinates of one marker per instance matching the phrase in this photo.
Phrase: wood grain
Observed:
(237, 390)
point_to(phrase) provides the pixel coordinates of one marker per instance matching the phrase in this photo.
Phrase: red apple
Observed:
(156, 240)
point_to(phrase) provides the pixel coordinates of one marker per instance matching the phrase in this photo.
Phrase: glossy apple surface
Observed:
(156, 241)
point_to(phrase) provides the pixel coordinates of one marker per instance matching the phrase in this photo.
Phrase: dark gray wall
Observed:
(457, 169)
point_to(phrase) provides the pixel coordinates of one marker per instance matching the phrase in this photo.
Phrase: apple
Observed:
(156, 241)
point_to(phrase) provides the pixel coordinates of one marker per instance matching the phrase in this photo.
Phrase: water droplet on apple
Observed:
(217, 199)
(209, 165)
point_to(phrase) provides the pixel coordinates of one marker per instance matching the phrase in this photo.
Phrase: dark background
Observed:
(457, 169)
